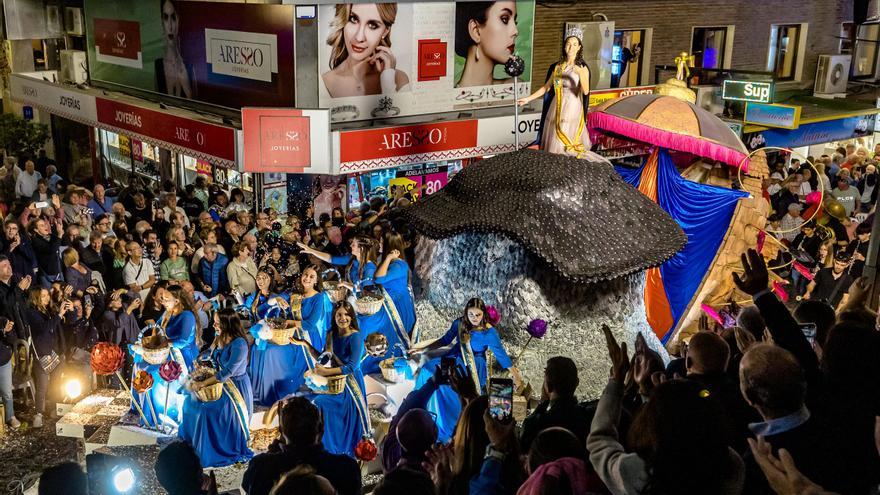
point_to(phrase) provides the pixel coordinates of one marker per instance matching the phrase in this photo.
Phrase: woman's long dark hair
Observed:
(369, 252)
(150, 301)
(682, 425)
(477, 303)
(348, 308)
(579, 58)
(465, 12)
(319, 281)
(230, 327)
(469, 443)
(268, 270)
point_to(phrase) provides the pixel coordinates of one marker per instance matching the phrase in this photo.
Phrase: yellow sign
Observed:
(124, 145)
(600, 96)
(408, 185)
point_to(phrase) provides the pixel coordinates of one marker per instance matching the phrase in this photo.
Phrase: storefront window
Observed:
(783, 58)
(865, 57)
(708, 46)
(417, 180)
(627, 58)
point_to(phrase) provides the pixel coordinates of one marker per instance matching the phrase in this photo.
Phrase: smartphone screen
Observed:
(501, 398)
(809, 331)
(447, 368)
(41, 204)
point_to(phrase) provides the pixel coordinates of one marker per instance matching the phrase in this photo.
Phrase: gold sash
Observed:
(238, 405)
(468, 355)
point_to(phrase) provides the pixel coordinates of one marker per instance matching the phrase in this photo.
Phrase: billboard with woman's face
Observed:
(229, 54)
(379, 60)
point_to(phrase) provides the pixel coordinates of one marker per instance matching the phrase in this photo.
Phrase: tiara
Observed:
(576, 32)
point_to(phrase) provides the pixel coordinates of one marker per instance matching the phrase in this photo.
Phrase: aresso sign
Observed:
(751, 91)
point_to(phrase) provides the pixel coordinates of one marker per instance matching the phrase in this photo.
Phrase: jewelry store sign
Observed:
(286, 140)
(54, 99)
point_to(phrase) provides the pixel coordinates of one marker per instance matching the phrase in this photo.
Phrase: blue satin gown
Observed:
(346, 418)
(276, 371)
(396, 284)
(381, 321)
(317, 316)
(181, 331)
(444, 402)
(218, 430)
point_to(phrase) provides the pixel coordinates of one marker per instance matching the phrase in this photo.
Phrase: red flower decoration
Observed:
(170, 370)
(106, 358)
(142, 382)
(366, 450)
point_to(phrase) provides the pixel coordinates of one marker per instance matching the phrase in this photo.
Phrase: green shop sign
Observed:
(753, 91)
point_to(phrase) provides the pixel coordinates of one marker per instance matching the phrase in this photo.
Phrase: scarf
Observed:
(574, 469)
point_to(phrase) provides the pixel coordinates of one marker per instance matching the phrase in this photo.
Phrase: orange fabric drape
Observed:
(657, 309)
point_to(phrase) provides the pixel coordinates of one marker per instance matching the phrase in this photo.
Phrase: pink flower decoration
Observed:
(492, 315)
(169, 371)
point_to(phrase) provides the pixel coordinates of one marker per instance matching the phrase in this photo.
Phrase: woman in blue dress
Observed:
(269, 370)
(359, 271)
(394, 275)
(317, 309)
(472, 335)
(218, 430)
(179, 324)
(346, 417)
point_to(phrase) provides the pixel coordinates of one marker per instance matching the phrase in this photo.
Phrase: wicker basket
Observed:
(389, 372)
(156, 356)
(281, 336)
(210, 393)
(335, 291)
(335, 384)
(368, 305)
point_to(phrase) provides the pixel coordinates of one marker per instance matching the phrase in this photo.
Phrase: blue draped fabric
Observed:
(703, 212)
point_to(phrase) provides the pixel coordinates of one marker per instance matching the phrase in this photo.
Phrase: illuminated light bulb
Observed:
(123, 480)
(73, 388)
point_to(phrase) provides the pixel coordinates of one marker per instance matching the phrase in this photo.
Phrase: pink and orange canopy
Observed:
(672, 123)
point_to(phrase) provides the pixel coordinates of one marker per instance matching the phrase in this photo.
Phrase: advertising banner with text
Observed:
(228, 54)
(380, 60)
(191, 137)
(286, 140)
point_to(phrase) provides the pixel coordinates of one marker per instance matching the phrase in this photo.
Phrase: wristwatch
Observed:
(493, 452)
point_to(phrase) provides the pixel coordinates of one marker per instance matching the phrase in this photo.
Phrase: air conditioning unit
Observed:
(832, 75)
(73, 21)
(73, 67)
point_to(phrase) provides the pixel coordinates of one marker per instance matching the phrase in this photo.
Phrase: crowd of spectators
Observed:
(763, 407)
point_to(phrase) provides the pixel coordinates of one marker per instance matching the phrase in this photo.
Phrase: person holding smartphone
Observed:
(474, 335)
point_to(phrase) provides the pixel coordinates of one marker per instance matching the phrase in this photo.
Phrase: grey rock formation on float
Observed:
(451, 271)
(546, 236)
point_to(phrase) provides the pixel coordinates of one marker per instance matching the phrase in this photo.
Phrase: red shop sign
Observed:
(276, 140)
(179, 133)
(118, 42)
(407, 140)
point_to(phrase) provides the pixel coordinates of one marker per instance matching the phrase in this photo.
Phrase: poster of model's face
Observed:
(381, 60)
(221, 53)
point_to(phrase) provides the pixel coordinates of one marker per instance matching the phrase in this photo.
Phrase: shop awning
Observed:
(814, 110)
(192, 134)
(363, 150)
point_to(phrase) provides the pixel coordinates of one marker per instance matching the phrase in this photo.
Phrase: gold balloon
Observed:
(835, 209)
